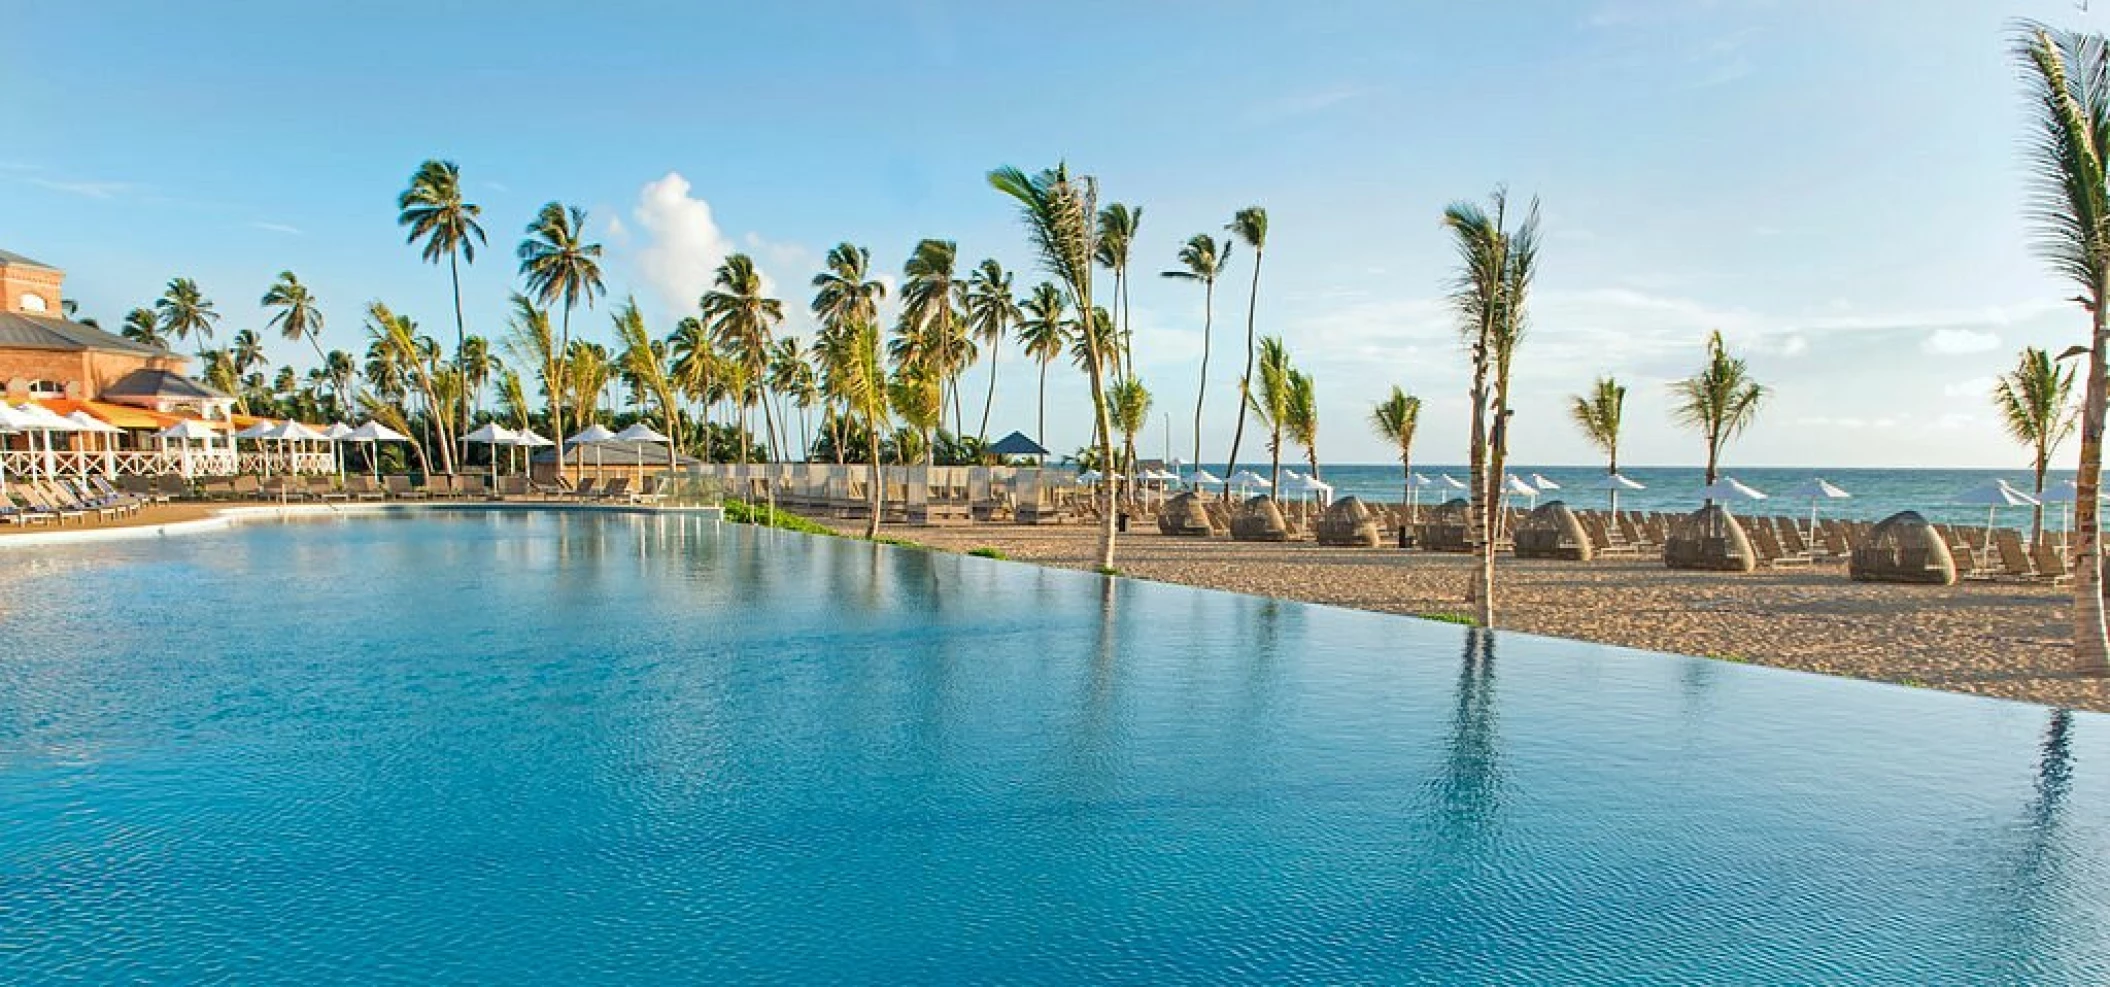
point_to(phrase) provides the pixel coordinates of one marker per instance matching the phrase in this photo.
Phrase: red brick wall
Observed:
(18, 281)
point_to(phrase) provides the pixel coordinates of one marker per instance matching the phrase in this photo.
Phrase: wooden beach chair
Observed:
(2014, 562)
(617, 489)
(398, 487)
(2051, 563)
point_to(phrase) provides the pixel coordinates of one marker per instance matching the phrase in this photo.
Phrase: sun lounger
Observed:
(324, 488)
(513, 486)
(363, 488)
(617, 489)
(399, 488)
(33, 495)
(2013, 560)
(21, 511)
(2050, 562)
(472, 485)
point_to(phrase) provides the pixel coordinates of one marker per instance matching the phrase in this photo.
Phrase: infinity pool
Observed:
(567, 749)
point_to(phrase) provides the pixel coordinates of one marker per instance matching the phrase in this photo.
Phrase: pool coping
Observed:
(228, 517)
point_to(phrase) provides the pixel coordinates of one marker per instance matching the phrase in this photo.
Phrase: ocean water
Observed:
(548, 748)
(1877, 493)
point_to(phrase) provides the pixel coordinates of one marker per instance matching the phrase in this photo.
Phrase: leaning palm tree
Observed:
(931, 327)
(1719, 401)
(855, 372)
(560, 266)
(1302, 417)
(1041, 330)
(2065, 75)
(1202, 259)
(435, 212)
(142, 326)
(741, 318)
(694, 359)
(1118, 223)
(183, 311)
(397, 338)
(343, 372)
(1597, 415)
(1490, 292)
(642, 359)
(2034, 401)
(1395, 419)
(991, 312)
(1059, 211)
(531, 344)
(1270, 400)
(1250, 226)
(298, 315)
(917, 395)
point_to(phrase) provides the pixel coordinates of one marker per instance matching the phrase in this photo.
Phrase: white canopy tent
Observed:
(90, 424)
(372, 434)
(184, 433)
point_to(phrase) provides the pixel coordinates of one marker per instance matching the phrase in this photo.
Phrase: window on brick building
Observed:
(32, 302)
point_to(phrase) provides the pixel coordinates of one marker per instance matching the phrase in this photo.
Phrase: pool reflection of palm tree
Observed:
(1467, 790)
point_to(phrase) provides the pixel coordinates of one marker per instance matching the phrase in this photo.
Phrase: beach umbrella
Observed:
(90, 423)
(1247, 478)
(527, 438)
(1450, 481)
(5, 429)
(287, 432)
(592, 435)
(254, 433)
(1539, 480)
(638, 436)
(336, 433)
(1816, 488)
(493, 435)
(1993, 496)
(34, 417)
(2064, 493)
(1613, 483)
(1729, 488)
(1089, 477)
(373, 433)
(183, 432)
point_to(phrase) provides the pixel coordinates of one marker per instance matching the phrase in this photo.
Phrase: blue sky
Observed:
(1834, 186)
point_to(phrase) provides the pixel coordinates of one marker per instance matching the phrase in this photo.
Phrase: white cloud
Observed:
(682, 242)
(88, 189)
(277, 228)
(1301, 104)
(1976, 387)
(1958, 342)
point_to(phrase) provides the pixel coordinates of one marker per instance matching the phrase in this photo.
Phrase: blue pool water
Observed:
(538, 748)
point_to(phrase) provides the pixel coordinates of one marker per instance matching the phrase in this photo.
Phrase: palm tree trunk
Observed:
(2091, 640)
(1042, 438)
(769, 424)
(1479, 529)
(1201, 389)
(1095, 361)
(874, 494)
(1245, 383)
(2036, 513)
(556, 387)
(981, 435)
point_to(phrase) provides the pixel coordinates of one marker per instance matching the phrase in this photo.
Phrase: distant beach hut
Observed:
(1613, 484)
(1903, 548)
(1993, 497)
(1347, 523)
(1816, 489)
(1186, 516)
(1258, 519)
(1708, 538)
(1016, 444)
(1552, 531)
(1445, 530)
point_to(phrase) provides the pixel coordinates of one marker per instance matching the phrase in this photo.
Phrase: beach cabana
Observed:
(1709, 538)
(1259, 519)
(1447, 528)
(1903, 548)
(1185, 515)
(1552, 531)
(1349, 524)
(1016, 444)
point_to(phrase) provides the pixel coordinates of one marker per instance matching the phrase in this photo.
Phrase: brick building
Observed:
(43, 354)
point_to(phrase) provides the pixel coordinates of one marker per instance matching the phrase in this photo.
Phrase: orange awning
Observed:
(118, 415)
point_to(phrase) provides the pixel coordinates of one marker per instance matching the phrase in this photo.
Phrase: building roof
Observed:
(122, 416)
(21, 331)
(9, 258)
(160, 385)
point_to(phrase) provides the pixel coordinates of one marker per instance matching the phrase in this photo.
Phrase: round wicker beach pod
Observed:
(1709, 538)
(1552, 531)
(1348, 523)
(1903, 548)
(1259, 519)
(1185, 515)
(1443, 527)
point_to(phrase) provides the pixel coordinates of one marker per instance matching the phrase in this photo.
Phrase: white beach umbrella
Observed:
(90, 423)
(372, 433)
(1993, 496)
(1539, 480)
(1613, 484)
(1247, 478)
(43, 420)
(2064, 493)
(638, 436)
(592, 435)
(1089, 477)
(1730, 488)
(336, 433)
(255, 433)
(1202, 477)
(184, 432)
(528, 438)
(493, 435)
(1450, 481)
(1816, 489)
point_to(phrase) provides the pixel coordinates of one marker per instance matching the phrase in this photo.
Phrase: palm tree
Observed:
(2064, 74)
(642, 359)
(741, 318)
(531, 343)
(1059, 212)
(559, 265)
(1249, 226)
(1496, 266)
(1597, 414)
(1203, 259)
(1271, 400)
(991, 312)
(845, 296)
(512, 398)
(1395, 419)
(1719, 401)
(931, 331)
(695, 370)
(1117, 230)
(142, 326)
(1302, 417)
(478, 365)
(1130, 412)
(1041, 330)
(434, 210)
(855, 373)
(2033, 400)
(247, 351)
(299, 315)
(917, 395)
(343, 372)
(183, 310)
(397, 338)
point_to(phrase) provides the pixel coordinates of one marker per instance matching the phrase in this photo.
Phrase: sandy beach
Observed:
(2005, 639)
